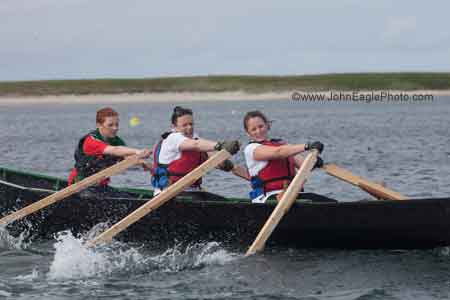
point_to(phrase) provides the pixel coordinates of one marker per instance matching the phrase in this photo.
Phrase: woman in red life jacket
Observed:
(271, 163)
(101, 148)
(181, 150)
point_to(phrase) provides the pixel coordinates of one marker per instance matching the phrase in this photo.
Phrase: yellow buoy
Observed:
(134, 121)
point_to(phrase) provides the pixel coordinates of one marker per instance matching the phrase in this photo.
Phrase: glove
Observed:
(226, 166)
(231, 146)
(319, 163)
(315, 145)
(144, 153)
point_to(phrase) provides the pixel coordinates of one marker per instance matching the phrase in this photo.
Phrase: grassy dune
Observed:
(251, 84)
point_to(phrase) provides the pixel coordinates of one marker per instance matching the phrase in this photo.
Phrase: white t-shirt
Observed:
(170, 151)
(253, 166)
(170, 147)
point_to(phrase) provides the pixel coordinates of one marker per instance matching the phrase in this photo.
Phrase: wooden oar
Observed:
(375, 189)
(284, 204)
(161, 198)
(71, 189)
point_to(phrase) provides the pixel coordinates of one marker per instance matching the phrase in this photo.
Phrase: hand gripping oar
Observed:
(375, 189)
(284, 204)
(161, 198)
(71, 189)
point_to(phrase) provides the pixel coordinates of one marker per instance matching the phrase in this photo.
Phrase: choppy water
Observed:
(405, 145)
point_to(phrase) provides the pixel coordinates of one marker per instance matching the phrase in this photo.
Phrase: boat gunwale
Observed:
(146, 194)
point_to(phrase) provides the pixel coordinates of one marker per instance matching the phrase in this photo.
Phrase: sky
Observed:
(80, 39)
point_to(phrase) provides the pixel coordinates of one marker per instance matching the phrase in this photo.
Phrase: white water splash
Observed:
(9, 242)
(97, 230)
(442, 251)
(193, 256)
(212, 254)
(30, 277)
(74, 260)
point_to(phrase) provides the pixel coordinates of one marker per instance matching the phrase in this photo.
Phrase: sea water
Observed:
(406, 145)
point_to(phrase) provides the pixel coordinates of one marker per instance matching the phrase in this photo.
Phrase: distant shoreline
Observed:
(219, 88)
(194, 96)
(231, 83)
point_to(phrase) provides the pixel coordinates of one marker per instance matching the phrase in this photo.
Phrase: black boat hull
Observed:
(412, 224)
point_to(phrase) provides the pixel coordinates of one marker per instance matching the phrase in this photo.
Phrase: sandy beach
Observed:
(143, 97)
(193, 96)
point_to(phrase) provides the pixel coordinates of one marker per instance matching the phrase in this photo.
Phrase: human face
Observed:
(185, 125)
(109, 127)
(257, 129)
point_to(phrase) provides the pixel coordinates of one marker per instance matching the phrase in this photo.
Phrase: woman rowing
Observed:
(271, 163)
(181, 150)
(101, 148)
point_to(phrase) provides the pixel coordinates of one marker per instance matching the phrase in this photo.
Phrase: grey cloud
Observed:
(86, 39)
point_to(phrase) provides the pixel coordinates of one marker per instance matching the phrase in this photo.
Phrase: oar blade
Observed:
(375, 189)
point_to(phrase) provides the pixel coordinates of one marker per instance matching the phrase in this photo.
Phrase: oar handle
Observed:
(284, 204)
(70, 190)
(161, 198)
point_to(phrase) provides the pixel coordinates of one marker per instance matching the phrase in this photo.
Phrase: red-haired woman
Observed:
(271, 163)
(101, 148)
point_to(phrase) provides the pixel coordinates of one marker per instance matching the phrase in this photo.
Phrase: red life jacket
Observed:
(278, 173)
(180, 167)
(188, 161)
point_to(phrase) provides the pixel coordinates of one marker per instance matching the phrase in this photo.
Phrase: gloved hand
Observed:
(231, 146)
(226, 166)
(319, 163)
(315, 145)
(144, 153)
